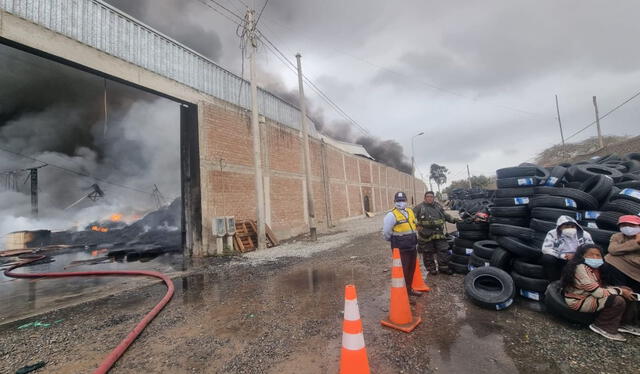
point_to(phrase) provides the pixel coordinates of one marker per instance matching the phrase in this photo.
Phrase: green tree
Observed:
(477, 181)
(438, 174)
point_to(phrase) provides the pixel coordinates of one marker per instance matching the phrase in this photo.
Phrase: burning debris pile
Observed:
(156, 231)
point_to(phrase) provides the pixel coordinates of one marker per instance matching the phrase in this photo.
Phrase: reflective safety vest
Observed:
(404, 225)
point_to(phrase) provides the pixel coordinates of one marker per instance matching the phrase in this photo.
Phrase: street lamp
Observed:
(413, 165)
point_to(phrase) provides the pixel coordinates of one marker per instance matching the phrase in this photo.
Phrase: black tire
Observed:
(622, 206)
(538, 239)
(628, 184)
(608, 220)
(517, 171)
(474, 235)
(544, 201)
(462, 251)
(477, 261)
(510, 201)
(501, 259)
(583, 199)
(490, 287)
(517, 182)
(514, 192)
(555, 176)
(519, 248)
(632, 156)
(459, 259)
(598, 186)
(529, 284)
(509, 211)
(584, 172)
(459, 268)
(554, 301)
(539, 225)
(485, 248)
(513, 221)
(523, 233)
(528, 269)
(463, 243)
(472, 226)
(628, 194)
(552, 214)
(600, 236)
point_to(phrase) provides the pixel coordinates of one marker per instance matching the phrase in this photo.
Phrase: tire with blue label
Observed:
(583, 199)
(598, 186)
(552, 214)
(554, 301)
(517, 172)
(510, 201)
(523, 233)
(477, 261)
(608, 220)
(514, 192)
(490, 288)
(530, 284)
(462, 251)
(484, 248)
(561, 202)
(517, 182)
(556, 175)
(459, 259)
(628, 194)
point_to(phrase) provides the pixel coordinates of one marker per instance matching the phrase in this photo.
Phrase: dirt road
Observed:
(275, 313)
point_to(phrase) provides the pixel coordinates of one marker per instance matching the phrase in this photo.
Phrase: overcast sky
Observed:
(478, 77)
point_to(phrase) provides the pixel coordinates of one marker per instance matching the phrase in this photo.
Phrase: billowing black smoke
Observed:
(388, 152)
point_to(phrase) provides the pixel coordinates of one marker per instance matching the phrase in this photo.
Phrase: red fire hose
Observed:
(119, 350)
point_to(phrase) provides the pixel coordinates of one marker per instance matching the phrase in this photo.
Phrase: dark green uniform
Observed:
(432, 242)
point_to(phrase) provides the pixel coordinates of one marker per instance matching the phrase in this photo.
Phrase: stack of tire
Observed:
(520, 246)
(469, 233)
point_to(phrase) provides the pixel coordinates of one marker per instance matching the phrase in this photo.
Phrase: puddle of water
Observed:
(19, 297)
(311, 280)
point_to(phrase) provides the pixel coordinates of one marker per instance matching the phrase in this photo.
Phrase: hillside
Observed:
(588, 148)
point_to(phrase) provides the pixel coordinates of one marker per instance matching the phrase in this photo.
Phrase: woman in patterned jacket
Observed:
(585, 292)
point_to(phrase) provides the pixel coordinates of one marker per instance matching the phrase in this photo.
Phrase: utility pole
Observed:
(469, 177)
(307, 158)
(33, 176)
(564, 148)
(252, 42)
(600, 141)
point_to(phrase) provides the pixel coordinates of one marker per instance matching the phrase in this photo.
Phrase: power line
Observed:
(219, 12)
(240, 18)
(74, 171)
(274, 49)
(261, 10)
(604, 115)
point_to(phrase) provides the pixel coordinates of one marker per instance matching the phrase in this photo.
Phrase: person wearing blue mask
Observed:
(399, 228)
(584, 291)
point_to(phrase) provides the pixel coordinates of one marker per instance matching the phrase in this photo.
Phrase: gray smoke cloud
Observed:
(388, 152)
(55, 114)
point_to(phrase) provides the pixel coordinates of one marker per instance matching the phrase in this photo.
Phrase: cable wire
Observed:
(604, 115)
(75, 172)
(261, 10)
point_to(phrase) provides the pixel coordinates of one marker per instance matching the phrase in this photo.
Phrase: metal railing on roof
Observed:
(103, 27)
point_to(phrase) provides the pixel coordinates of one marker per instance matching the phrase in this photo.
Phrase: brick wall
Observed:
(340, 181)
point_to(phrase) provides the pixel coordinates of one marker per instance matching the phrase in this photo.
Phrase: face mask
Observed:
(401, 204)
(571, 232)
(630, 230)
(593, 262)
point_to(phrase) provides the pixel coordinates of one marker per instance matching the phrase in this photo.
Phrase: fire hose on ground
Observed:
(119, 350)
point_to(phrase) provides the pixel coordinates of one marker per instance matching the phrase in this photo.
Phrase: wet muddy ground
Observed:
(283, 315)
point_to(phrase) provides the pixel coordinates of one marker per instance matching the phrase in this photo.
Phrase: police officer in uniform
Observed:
(432, 242)
(399, 228)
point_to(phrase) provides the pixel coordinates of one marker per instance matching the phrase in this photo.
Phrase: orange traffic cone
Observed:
(418, 283)
(353, 358)
(399, 311)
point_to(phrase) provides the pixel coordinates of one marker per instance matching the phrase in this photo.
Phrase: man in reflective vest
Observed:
(399, 228)
(432, 243)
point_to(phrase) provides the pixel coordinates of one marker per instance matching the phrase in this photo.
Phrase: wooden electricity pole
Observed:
(600, 141)
(564, 148)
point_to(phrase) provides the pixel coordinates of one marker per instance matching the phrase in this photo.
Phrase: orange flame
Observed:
(99, 229)
(116, 217)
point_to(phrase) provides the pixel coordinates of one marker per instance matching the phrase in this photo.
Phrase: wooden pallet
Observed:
(246, 237)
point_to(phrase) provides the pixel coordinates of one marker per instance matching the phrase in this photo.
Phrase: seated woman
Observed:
(560, 244)
(622, 264)
(584, 292)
